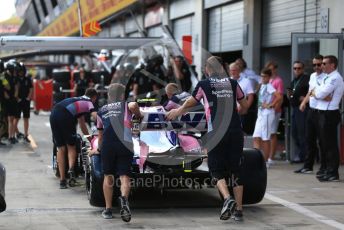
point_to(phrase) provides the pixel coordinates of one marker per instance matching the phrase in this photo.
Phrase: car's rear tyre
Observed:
(2, 203)
(94, 178)
(95, 183)
(253, 176)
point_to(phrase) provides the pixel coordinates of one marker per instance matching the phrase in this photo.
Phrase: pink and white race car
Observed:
(169, 154)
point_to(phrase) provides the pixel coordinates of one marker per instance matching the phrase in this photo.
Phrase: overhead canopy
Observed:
(40, 53)
(15, 43)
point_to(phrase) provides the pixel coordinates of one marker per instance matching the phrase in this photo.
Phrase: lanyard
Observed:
(327, 76)
(296, 83)
(318, 83)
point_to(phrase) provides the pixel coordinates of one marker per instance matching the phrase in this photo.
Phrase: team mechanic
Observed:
(63, 120)
(116, 147)
(225, 158)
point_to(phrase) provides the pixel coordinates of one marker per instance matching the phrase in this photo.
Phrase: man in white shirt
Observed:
(247, 73)
(329, 94)
(312, 122)
(246, 86)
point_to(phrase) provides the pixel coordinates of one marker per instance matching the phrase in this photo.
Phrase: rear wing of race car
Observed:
(192, 121)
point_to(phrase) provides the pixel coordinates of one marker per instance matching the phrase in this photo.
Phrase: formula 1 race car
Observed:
(2, 188)
(170, 155)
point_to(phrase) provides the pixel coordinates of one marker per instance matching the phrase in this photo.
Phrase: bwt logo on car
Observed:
(192, 120)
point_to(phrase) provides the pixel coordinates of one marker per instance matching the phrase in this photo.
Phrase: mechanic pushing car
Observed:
(116, 147)
(63, 120)
(219, 94)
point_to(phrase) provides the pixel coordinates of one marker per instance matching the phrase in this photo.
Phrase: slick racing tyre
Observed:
(94, 178)
(253, 177)
(94, 182)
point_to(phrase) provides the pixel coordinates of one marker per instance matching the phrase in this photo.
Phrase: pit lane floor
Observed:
(35, 202)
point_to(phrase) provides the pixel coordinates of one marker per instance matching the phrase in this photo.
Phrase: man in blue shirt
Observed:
(116, 147)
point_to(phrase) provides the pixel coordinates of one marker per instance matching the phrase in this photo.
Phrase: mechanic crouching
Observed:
(116, 147)
(224, 139)
(63, 121)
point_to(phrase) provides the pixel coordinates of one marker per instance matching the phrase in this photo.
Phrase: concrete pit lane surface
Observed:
(34, 200)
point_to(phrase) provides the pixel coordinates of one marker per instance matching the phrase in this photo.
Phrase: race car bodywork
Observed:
(160, 156)
(169, 155)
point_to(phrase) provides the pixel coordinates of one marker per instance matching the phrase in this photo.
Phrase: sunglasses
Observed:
(295, 68)
(317, 64)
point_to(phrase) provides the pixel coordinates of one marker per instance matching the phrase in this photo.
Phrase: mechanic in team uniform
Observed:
(10, 101)
(116, 147)
(3, 86)
(220, 94)
(24, 91)
(63, 120)
(175, 98)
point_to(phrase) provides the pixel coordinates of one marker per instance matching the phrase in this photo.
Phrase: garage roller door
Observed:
(282, 17)
(226, 28)
(182, 27)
